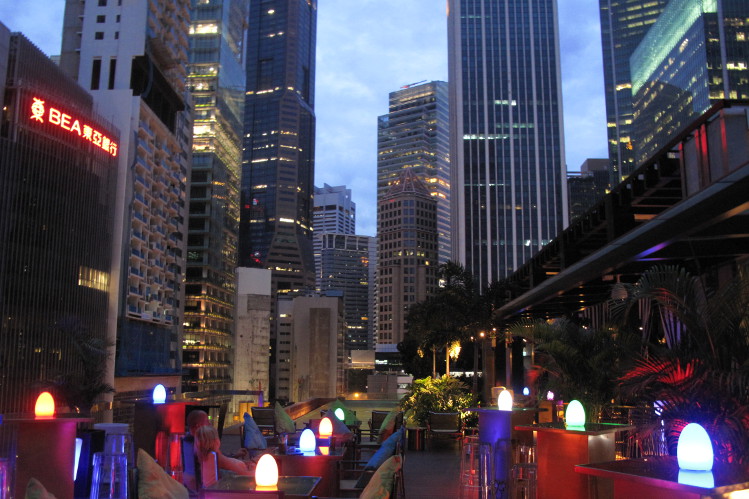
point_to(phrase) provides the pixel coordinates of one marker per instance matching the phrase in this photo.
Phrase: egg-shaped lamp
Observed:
(526, 391)
(326, 428)
(504, 400)
(307, 441)
(266, 473)
(694, 450)
(575, 414)
(45, 406)
(159, 394)
(549, 395)
(340, 414)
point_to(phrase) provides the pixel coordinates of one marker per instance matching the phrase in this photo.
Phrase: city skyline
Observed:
(359, 62)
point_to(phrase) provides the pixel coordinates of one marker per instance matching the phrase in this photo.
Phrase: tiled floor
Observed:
(433, 473)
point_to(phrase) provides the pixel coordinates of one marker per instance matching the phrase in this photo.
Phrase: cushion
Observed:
(386, 450)
(154, 483)
(381, 484)
(339, 427)
(35, 490)
(348, 416)
(388, 426)
(284, 423)
(253, 437)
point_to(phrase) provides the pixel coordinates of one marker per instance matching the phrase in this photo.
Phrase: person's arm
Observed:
(235, 465)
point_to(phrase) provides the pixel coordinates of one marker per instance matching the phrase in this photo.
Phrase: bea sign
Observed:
(42, 114)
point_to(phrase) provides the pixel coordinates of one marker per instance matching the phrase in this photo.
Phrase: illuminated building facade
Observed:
(347, 265)
(216, 77)
(344, 262)
(132, 57)
(407, 242)
(277, 181)
(415, 134)
(58, 166)
(507, 152)
(696, 54)
(623, 25)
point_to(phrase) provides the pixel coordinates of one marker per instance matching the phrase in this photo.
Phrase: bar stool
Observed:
(476, 469)
(523, 475)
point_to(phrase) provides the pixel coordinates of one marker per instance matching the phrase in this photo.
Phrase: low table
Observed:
(659, 478)
(559, 449)
(323, 466)
(236, 487)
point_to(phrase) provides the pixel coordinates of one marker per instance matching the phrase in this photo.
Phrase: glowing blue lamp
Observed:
(159, 394)
(307, 441)
(339, 414)
(694, 450)
(504, 400)
(526, 391)
(575, 415)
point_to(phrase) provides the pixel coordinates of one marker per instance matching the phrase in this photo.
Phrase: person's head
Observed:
(195, 420)
(206, 440)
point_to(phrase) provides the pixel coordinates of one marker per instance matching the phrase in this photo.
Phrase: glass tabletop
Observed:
(289, 485)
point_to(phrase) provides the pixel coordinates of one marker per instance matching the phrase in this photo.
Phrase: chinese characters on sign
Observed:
(56, 117)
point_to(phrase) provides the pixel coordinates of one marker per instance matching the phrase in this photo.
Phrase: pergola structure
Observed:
(687, 205)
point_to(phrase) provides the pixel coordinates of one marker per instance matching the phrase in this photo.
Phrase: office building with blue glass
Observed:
(507, 151)
(696, 54)
(216, 80)
(623, 25)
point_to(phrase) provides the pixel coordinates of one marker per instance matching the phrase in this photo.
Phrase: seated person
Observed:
(207, 441)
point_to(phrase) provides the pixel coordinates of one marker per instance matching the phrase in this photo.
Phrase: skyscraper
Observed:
(343, 262)
(216, 79)
(416, 134)
(695, 54)
(406, 254)
(133, 59)
(509, 184)
(56, 231)
(275, 230)
(345, 265)
(623, 25)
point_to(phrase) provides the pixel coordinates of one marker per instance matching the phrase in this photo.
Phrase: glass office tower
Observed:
(416, 134)
(278, 163)
(56, 191)
(695, 54)
(507, 150)
(276, 193)
(623, 25)
(216, 80)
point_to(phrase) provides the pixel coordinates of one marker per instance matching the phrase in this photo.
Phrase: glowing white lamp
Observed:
(307, 441)
(159, 394)
(549, 395)
(575, 415)
(266, 473)
(704, 479)
(45, 406)
(526, 391)
(504, 400)
(339, 414)
(694, 450)
(326, 428)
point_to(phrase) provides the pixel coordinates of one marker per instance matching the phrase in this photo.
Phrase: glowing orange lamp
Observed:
(326, 428)
(45, 406)
(266, 473)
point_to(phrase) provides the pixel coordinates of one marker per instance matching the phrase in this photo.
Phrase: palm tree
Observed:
(578, 362)
(694, 355)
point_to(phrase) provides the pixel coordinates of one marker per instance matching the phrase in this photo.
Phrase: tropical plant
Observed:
(82, 388)
(694, 360)
(444, 394)
(574, 361)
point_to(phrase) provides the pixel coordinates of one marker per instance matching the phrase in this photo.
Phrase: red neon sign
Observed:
(72, 125)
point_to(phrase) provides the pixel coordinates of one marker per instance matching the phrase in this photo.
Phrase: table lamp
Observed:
(504, 400)
(574, 417)
(266, 473)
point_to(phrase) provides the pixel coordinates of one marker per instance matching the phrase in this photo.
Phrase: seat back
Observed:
(444, 422)
(265, 418)
(377, 418)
